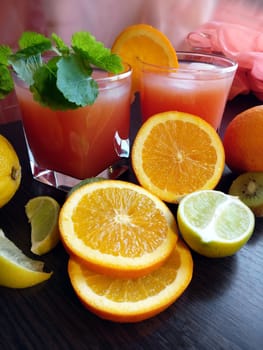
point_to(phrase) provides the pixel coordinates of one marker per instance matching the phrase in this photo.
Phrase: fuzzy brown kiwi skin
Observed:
(246, 186)
(258, 211)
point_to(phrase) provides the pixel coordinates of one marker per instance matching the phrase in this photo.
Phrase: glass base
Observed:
(65, 183)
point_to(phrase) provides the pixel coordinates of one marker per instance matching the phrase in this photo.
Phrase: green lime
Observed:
(42, 213)
(89, 180)
(214, 224)
(16, 269)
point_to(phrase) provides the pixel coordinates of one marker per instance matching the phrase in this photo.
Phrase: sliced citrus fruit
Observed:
(10, 171)
(42, 213)
(16, 269)
(215, 224)
(117, 228)
(142, 42)
(133, 300)
(176, 153)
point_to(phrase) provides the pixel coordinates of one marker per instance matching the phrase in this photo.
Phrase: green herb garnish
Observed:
(58, 75)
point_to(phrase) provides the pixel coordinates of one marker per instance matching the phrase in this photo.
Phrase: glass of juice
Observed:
(68, 146)
(200, 86)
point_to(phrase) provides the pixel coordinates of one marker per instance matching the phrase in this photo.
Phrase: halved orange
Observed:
(176, 153)
(146, 43)
(117, 228)
(133, 300)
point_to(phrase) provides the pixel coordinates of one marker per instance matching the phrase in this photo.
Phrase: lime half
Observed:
(16, 269)
(42, 213)
(214, 224)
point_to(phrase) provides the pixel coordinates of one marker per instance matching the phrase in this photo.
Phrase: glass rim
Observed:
(126, 72)
(183, 56)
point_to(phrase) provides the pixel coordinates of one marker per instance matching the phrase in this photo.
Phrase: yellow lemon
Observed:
(10, 171)
(16, 269)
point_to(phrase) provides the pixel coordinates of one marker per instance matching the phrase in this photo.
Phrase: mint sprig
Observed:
(58, 75)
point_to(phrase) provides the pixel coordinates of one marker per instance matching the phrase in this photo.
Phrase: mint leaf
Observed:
(26, 67)
(85, 45)
(45, 90)
(61, 46)
(31, 44)
(75, 82)
(5, 53)
(29, 39)
(28, 59)
(111, 63)
(6, 82)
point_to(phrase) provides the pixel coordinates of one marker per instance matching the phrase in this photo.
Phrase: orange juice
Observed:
(199, 88)
(82, 142)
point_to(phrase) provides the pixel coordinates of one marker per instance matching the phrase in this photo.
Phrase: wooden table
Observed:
(221, 309)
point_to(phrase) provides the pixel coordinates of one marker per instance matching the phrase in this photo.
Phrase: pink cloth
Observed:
(236, 31)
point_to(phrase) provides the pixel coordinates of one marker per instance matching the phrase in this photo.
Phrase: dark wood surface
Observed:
(221, 309)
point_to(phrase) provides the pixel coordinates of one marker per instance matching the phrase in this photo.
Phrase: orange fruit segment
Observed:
(117, 228)
(176, 153)
(133, 300)
(142, 42)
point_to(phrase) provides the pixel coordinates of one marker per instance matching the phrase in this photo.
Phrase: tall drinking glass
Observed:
(200, 86)
(67, 146)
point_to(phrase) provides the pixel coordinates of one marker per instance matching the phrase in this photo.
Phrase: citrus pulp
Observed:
(16, 269)
(42, 213)
(142, 42)
(176, 153)
(133, 300)
(215, 224)
(117, 228)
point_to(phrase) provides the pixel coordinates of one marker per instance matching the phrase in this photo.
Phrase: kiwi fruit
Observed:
(249, 188)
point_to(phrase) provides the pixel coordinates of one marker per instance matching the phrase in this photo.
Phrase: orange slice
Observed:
(146, 43)
(117, 228)
(132, 300)
(176, 153)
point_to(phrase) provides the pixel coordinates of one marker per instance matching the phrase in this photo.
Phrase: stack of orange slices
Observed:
(126, 261)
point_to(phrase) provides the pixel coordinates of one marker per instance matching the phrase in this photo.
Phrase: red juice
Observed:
(80, 143)
(198, 88)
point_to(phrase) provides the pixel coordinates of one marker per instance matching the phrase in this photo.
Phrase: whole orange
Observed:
(243, 141)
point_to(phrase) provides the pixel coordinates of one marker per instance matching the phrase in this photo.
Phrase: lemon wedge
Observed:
(16, 269)
(42, 213)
